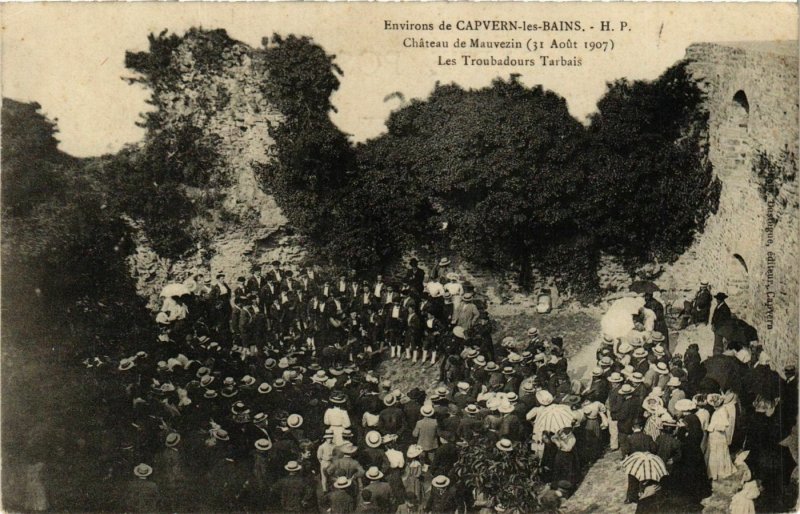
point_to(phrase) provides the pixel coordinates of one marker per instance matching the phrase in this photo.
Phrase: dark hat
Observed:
(720, 296)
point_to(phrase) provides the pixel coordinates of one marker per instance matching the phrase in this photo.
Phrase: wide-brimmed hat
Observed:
(452, 276)
(373, 473)
(544, 397)
(471, 353)
(597, 372)
(533, 331)
(639, 353)
(659, 350)
(143, 470)
(294, 421)
(492, 366)
(264, 388)
(292, 466)
(270, 363)
(342, 482)
(173, 438)
(720, 296)
(571, 400)
(426, 410)
(512, 397)
(263, 444)
(459, 332)
(229, 391)
(260, 417)
(320, 377)
(209, 394)
(444, 261)
(467, 297)
(615, 377)
(606, 361)
(626, 389)
(440, 481)
(505, 408)
(126, 364)
(674, 381)
(528, 386)
(373, 439)
(463, 386)
(206, 380)
(624, 348)
(389, 400)
(514, 357)
(471, 409)
(685, 405)
(238, 407)
(608, 341)
(337, 397)
(220, 434)
(413, 451)
(504, 445)
(657, 337)
(636, 377)
(661, 368)
(247, 380)
(279, 383)
(508, 370)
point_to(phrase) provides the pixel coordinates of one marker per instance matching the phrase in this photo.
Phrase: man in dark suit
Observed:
(701, 306)
(415, 276)
(722, 315)
(254, 282)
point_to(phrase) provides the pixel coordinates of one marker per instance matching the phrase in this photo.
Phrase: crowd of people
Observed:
(266, 396)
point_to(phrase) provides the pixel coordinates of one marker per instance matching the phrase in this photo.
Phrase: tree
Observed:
(651, 175)
(491, 162)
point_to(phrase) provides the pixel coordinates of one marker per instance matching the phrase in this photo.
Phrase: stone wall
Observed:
(247, 226)
(752, 100)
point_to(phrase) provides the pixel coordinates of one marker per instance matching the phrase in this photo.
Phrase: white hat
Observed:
(426, 410)
(414, 450)
(143, 470)
(263, 444)
(463, 386)
(342, 482)
(685, 405)
(292, 465)
(505, 408)
(504, 445)
(373, 439)
(459, 332)
(544, 397)
(373, 473)
(440, 481)
(294, 420)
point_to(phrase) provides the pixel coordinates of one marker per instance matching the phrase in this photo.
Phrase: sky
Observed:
(69, 57)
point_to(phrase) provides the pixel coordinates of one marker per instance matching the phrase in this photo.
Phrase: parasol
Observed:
(553, 418)
(737, 331)
(643, 286)
(618, 320)
(645, 466)
(174, 290)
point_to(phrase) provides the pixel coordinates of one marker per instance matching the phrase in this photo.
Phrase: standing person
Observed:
(701, 306)
(336, 417)
(415, 277)
(142, 494)
(340, 499)
(426, 429)
(722, 314)
(692, 466)
(413, 335)
(466, 314)
(718, 455)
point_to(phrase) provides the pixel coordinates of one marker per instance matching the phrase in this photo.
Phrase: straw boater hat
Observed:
(608, 341)
(389, 400)
(142, 470)
(444, 261)
(263, 445)
(270, 363)
(505, 408)
(528, 386)
(504, 445)
(657, 337)
(514, 357)
(294, 421)
(229, 381)
(209, 394)
(264, 388)
(626, 389)
(674, 382)
(220, 434)
(624, 348)
(659, 350)
(471, 353)
(471, 409)
(467, 297)
(533, 331)
(247, 380)
(512, 397)
(479, 361)
(373, 473)
(279, 383)
(342, 482)
(238, 408)
(440, 482)
(337, 397)
(373, 439)
(492, 366)
(508, 370)
(597, 372)
(413, 451)
(260, 418)
(229, 391)
(661, 368)
(636, 377)
(459, 332)
(606, 362)
(639, 353)
(206, 380)
(615, 378)
(126, 364)
(292, 466)
(173, 438)
(426, 410)
(452, 276)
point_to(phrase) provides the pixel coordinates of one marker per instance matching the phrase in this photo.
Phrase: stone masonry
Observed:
(752, 100)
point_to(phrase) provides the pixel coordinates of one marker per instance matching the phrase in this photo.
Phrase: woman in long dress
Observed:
(566, 465)
(718, 456)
